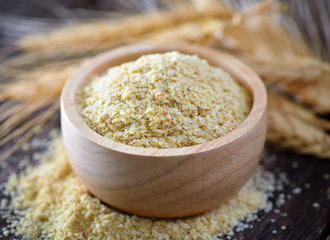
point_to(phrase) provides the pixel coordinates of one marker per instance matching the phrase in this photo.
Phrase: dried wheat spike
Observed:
(37, 84)
(293, 126)
(31, 92)
(201, 31)
(306, 78)
(280, 59)
(91, 35)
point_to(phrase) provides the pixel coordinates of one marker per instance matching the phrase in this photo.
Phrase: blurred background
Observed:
(21, 17)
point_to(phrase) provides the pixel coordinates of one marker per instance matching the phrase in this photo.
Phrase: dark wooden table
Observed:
(306, 212)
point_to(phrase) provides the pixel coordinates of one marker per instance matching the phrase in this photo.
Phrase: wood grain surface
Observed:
(301, 220)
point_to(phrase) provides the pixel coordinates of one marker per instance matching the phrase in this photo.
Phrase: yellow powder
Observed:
(165, 100)
(52, 204)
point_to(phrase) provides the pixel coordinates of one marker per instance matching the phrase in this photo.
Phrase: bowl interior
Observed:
(242, 73)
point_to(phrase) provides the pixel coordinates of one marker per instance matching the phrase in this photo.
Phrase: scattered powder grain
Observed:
(316, 205)
(50, 203)
(165, 100)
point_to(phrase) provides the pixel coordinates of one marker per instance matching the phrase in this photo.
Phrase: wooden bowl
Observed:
(164, 183)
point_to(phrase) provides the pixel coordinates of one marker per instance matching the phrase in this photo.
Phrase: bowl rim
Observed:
(239, 70)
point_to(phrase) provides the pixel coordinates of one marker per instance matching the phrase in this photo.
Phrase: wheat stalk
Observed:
(36, 124)
(305, 78)
(39, 83)
(291, 125)
(88, 39)
(33, 91)
(92, 35)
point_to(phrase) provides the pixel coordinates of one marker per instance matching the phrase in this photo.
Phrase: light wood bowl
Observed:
(164, 183)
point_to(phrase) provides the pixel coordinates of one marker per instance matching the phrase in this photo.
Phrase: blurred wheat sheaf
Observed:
(261, 35)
